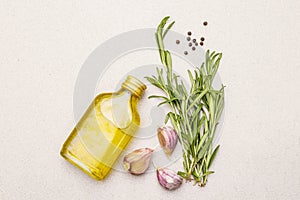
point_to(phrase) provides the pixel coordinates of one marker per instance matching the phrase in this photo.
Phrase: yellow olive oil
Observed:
(105, 129)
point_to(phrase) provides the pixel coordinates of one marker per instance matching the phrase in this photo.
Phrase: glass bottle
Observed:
(105, 129)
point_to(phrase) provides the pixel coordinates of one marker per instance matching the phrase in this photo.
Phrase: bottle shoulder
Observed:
(119, 108)
(115, 94)
(102, 96)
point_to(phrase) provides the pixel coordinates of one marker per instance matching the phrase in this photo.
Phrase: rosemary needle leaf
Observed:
(157, 96)
(167, 101)
(213, 156)
(207, 173)
(168, 59)
(182, 174)
(204, 149)
(168, 28)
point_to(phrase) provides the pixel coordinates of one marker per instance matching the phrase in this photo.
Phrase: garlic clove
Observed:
(168, 179)
(137, 162)
(167, 138)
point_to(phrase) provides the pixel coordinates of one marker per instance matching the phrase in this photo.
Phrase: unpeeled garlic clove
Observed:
(168, 179)
(137, 162)
(167, 138)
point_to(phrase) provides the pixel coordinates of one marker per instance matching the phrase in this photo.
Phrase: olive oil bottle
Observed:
(105, 129)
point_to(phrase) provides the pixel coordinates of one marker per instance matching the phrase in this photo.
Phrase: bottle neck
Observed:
(135, 86)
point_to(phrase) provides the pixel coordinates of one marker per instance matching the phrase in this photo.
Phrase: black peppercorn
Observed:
(190, 44)
(202, 38)
(205, 23)
(189, 33)
(194, 40)
(188, 38)
(201, 43)
(185, 53)
(177, 41)
(194, 48)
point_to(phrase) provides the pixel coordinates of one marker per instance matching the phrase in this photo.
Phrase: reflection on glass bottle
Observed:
(105, 130)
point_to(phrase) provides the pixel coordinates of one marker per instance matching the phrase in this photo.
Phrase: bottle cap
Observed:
(134, 85)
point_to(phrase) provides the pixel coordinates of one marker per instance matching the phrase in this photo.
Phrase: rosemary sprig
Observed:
(195, 112)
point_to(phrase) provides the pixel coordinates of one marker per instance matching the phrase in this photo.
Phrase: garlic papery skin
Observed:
(137, 162)
(168, 179)
(167, 138)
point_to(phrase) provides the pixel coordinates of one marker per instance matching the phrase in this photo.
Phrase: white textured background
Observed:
(44, 43)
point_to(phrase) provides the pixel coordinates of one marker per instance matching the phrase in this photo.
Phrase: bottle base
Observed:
(95, 173)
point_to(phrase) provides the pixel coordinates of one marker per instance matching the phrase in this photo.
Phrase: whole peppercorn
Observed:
(190, 44)
(194, 48)
(196, 43)
(185, 53)
(194, 40)
(205, 23)
(188, 38)
(189, 33)
(177, 41)
(201, 43)
(202, 38)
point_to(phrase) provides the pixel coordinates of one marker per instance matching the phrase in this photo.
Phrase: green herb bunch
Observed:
(195, 110)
